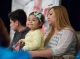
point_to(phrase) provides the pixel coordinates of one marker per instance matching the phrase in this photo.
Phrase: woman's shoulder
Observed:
(68, 29)
(67, 32)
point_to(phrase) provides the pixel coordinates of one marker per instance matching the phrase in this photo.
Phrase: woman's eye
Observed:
(50, 14)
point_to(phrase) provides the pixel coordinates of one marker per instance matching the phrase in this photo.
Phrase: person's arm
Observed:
(41, 53)
(65, 40)
(19, 44)
(33, 41)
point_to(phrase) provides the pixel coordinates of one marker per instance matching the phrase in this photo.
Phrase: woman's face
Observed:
(51, 17)
(32, 22)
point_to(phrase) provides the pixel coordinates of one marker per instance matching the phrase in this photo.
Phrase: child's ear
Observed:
(40, 24)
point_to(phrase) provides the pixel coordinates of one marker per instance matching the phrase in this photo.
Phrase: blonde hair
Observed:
(61, 16)
(62, 20)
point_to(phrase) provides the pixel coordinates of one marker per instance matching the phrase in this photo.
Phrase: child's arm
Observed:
(19, 44)
(34, 42)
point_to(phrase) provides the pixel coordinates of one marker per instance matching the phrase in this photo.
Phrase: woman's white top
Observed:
(62, 42)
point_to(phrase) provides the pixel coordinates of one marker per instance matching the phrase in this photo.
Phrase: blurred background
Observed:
(73, 7)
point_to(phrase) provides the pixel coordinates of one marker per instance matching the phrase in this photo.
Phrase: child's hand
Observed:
(19, 45)
(17, 48)
(22, 44)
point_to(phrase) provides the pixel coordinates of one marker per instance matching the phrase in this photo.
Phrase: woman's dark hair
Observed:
(4, 35)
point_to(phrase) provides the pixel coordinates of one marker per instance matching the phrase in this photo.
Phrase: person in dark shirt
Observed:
(18, 24)
(5, 52)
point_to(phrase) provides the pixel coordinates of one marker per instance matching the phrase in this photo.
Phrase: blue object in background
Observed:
(22, 54)
(9, 54)
(78, 55)
(6, 54)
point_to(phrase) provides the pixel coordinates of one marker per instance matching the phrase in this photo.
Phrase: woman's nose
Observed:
(48, 17)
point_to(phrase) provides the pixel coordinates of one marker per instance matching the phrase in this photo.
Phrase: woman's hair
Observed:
(4, 36)
(39, 16)
(62, 20)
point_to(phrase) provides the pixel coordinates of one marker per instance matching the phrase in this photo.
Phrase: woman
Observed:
(60, 41)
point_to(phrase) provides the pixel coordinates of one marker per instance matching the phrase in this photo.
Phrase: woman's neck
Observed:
(55, 29)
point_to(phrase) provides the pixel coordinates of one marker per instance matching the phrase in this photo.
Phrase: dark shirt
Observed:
(18, 36)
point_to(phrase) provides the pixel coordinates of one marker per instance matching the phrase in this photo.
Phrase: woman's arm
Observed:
(33, 41)
(58, 50)
(42, 53)
(64, 43)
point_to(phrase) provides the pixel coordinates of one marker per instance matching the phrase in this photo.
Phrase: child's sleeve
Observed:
(34, 42)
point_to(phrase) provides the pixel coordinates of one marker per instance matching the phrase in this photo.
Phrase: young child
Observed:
(34, 38)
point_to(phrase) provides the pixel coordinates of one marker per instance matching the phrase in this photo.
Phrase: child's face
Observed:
(51, 17)
(13, 25)
(32, 22)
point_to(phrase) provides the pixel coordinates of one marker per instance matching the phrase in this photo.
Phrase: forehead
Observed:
(11, 20)
(51, 11)
(32, 16)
